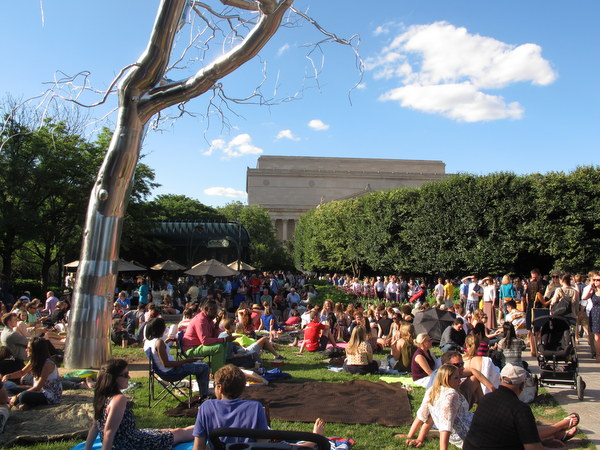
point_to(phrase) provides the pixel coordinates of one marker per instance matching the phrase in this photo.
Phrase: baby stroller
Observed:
(557, 355)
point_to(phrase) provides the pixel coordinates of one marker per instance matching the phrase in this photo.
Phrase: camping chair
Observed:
(170, 384)
(180, 355)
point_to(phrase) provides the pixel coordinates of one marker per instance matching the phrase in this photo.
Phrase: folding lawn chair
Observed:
(171, 384)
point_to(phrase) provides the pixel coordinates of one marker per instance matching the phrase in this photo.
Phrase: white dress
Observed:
(450, 412)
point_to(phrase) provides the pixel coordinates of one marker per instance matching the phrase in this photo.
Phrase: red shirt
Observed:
(312, 334)
(255, 283)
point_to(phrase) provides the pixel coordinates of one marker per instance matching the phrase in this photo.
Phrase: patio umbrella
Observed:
(240, 265)
(124, 266)
(168, 265)
(211, 267)
(433, 321)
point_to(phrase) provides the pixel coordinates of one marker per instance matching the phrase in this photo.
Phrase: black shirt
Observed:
(385, 323)
(501, 421)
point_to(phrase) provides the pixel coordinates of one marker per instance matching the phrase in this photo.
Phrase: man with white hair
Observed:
(502, 421)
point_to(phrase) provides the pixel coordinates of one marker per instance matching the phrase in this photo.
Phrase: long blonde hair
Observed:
(441, 379)
(359, 335)
(471, 344)
(407, 332)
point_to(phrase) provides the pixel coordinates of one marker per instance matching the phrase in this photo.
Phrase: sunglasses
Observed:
(596, 279)
(460, 365)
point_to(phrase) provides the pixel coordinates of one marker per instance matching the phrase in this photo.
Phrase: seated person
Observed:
(511, 346)
(120, 336)
(167, 305)
(316, 335)
(453, 337)
(423, 361)
(201, 337)
(268, 322)
(114, 419)
(443, 406)
(502, 421)
(47, 388)
(472, 380)
(359, 354)
(403, 347)
(483, 364)
(134, 319)
(228, 410)
(165, 361)
(4, 407)
(188, 314)
(12, 339)
(516, 317)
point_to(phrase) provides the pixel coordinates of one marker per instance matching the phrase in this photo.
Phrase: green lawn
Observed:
(309, 367)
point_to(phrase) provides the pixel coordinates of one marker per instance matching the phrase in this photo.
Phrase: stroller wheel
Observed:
(580, 386)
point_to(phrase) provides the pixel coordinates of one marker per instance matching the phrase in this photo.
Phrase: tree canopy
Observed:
(497, 223)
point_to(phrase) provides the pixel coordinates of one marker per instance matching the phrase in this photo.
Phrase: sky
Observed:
(482, 86)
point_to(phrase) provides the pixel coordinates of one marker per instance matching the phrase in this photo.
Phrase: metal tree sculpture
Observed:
(142, 94)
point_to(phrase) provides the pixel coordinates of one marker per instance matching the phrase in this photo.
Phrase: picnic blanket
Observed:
(70, 419)
(353, 402)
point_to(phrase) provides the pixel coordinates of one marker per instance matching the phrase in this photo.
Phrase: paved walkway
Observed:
(589, 408)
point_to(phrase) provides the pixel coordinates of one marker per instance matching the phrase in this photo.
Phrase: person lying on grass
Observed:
(230, 411)
(248, 344)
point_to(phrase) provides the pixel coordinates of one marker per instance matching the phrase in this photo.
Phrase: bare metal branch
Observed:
(241, 4)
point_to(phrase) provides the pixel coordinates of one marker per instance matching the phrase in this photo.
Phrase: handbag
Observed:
(561, 307)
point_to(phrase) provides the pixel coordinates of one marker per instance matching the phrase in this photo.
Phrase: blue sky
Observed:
(482, 86)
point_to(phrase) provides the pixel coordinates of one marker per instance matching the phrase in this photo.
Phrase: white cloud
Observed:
(284, 48)
(286, 134)
(318, 125)
(457, 101)
(224, 192)
(361, 86)
(240, 145)
(443, 69)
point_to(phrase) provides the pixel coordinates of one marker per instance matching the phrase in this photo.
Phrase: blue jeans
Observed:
(199, 369)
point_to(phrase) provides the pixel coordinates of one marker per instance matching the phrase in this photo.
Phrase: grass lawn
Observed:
(309, 367)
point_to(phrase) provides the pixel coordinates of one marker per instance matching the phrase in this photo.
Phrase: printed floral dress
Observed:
(129, 437)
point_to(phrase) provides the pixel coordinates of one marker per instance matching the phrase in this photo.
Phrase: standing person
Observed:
(51, 301)
(489, 300)
(47, 387)
(502, 421)
(114, 419)
(506, 293)
(534, 298)
(464, 291)
(593, 297)
(391, 290)
(379, 288)
(438, 292)
(142, 290)
(449, 293)
(402, 290)
(201, 337)
(475, 292)
(568, 294)
(293, 297)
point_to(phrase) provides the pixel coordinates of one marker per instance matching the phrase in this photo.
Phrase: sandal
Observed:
(570, 434)
(572, 417)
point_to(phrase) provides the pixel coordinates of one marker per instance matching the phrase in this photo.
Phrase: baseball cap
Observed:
(513, 374)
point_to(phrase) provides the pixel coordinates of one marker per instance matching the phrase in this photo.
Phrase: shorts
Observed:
(253, 348)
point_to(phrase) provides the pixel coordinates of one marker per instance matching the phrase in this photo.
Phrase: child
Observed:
(243, 344)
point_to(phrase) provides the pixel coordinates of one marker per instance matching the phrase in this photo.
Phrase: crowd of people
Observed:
(232, 321)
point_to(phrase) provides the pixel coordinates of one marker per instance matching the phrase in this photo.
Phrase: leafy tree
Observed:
(180, 208)
(265, 251)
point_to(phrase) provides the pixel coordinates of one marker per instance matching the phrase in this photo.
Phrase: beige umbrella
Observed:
(211, 267)
(168, 265)
(240, 265)
(124, 266)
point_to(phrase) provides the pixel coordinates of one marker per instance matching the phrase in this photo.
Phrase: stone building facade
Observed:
(288, 186)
